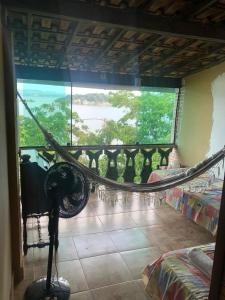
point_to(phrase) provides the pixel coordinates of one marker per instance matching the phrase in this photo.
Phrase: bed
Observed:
(200, 206)
(173, 277)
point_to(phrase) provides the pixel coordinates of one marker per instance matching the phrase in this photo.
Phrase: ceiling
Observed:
(139, 42)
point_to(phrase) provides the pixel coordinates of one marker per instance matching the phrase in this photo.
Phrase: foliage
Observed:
(54, 117)
(155, 117)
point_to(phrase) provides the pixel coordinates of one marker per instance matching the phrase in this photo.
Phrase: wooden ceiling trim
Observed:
(145, 4)
(68, 43)
(195, 9)
(179, 66)
(126, 61)
(166, 58)
(83, 77)
(47, 40)
(203, 68)
(108, 47)
(132, 19)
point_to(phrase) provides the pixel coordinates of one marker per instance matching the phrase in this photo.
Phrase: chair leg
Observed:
(56, 240)
(25, 246)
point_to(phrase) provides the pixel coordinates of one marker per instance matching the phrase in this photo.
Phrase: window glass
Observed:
(91, 116)
(51, 105)
(122, 116)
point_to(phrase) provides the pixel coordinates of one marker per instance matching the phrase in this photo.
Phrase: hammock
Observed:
(158, 186)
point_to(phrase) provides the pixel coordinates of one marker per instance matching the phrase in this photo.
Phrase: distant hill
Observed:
(49, 93)
(88, 99)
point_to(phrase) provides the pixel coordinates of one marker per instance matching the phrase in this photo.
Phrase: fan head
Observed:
(67, 185)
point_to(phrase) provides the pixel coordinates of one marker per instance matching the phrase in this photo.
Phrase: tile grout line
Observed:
(81, 265)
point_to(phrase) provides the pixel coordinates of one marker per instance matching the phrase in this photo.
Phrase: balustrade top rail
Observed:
(120, 162)
(101, 147)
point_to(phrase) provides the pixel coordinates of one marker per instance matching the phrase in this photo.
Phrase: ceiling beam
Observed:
(127, 19)
(126, 61)
(168, 70)
(205, 67)
(165, 58)
(94, 78)
(108, 47)
(68, 43)
(195, 9)
(145, 4)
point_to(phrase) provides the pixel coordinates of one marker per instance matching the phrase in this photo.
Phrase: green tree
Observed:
(155, 117)
(55, 117)
(117, 131)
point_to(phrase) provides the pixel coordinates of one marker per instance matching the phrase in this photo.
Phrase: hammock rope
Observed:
(158, 186)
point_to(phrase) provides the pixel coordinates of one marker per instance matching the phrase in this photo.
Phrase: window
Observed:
(90, 116)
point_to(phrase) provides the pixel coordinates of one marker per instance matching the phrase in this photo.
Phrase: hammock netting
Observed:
(212, 164)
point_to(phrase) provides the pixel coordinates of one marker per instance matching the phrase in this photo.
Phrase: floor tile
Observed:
(72, 271)
(93, 244)
(29, 257)
(129, 239)
(29, 272)
(86, 212)
(117, 221)
(170, 215)
(156, 234)
(69, 270)
(66, 251)
(105, 270)
(32, 235)
(137, 260)
(44, 234)
(82, 296)
(124, 291)
(149, 217)
(105, 208)
(83, 225)
(135, 203)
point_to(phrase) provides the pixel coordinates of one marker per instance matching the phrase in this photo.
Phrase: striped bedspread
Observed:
(173, 277)
(201, 207)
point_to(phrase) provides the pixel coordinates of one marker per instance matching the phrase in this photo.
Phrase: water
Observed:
(95, 116)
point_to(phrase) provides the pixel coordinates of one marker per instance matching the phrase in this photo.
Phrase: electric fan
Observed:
(67, 190)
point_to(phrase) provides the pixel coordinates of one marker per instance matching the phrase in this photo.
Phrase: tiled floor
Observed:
(103, 251)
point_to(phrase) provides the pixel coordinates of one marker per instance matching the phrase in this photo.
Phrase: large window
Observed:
(87, 116)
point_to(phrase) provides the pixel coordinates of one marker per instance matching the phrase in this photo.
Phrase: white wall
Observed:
(201, 121)
(5, 249)
(217, 138)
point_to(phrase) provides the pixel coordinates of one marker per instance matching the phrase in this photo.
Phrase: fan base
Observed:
(59, 290)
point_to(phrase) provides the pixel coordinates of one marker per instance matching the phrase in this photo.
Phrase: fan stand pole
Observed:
(48, 287)
(52, 228)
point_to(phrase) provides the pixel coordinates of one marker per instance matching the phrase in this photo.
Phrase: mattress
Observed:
(200, 205)
(173, 277)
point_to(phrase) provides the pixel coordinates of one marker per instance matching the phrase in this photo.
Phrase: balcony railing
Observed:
(124, 163)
